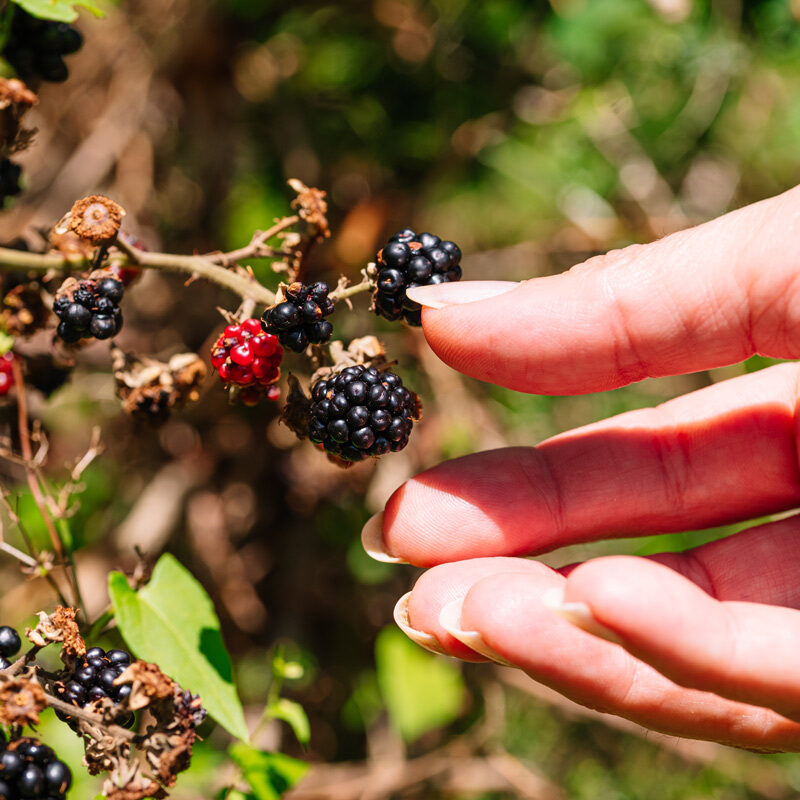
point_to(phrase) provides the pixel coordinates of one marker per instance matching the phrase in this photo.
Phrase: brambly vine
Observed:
(134, 686)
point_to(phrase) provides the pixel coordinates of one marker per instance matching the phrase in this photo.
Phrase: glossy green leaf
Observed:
(421, 691)
(60, 10)
(172, 622)
(270, 775)
(292, 713)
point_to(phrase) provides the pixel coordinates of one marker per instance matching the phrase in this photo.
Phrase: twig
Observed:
(350, 291)
(18, 554)
(27, 456)
(257, 247)
(196, 265)
(22, 661)
(89, 716)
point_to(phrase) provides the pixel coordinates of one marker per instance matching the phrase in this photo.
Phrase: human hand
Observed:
(703, 643)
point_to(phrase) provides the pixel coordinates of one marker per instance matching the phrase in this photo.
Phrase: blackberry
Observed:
(36, 47)
(30, 769)
(250, 359)
(408, 260)
(361, 412)
(10, 174)
(6, 382)
(300, 319)
(10, 642)
(91, 310)
(92, 679)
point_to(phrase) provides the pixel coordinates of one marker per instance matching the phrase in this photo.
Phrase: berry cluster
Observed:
(93, 678)
(409, 260)
(30, 769)
(91, 310)
(300, 319)
(36, 47)
(361, 412)
(9, 180)
(6, 380)
(10, 644)
(249, 358)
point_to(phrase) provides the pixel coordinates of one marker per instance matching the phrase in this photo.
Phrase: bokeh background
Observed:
(535, 135)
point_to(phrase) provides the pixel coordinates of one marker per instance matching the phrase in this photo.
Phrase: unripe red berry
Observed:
(242, 354)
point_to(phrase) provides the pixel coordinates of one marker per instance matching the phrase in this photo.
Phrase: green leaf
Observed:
(269, 774)
(293, 713)
(172, 623)
(6, 342)
(421, 691)
(59, 10)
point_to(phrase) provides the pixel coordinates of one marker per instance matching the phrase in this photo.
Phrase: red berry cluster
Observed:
(6, 374)
(250, 359)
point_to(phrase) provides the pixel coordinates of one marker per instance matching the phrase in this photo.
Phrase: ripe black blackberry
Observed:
(30, 769)
(10, 174)
(91, 310)
(300, 319)
(10, 644)
(408, 260)
(36, 47)
(361, 412)
(92, 679)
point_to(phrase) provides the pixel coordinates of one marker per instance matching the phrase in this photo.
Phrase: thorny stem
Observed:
(257, 247)
(89, 716)
(35, 487)
(23, 661)
(201, 266)
(350, 291)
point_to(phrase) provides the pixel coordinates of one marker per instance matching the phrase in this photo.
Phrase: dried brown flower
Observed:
(60, 626)
(152, 388)
(311, 207)
(23, 310)
(69, 244)
(15, 101)
(21, 701)
(96, 219)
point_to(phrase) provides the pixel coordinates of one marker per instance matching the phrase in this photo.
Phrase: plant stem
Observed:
(193, 265)
(350, 291)
(89, 716)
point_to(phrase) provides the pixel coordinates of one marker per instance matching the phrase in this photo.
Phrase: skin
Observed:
(700, 644)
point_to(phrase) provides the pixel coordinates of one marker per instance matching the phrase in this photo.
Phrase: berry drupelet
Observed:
(36, 47)
(92, 310)
(249, 358)
(10, 644)
(361, 412)
(93, 678)
(408, 260)
(30, 769)
(300, 319)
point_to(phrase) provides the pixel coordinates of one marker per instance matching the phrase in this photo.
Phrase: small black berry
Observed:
(110, 288)
(299, 320)
(10, 642)
(409, 260)
(30, 783)
(361, 412)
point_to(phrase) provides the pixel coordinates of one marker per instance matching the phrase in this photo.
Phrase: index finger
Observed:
(704, 297)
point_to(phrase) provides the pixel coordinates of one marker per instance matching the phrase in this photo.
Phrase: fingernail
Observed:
(450, 620)
(426, 640)
(579, 614)
(441, 295)
(372, 540)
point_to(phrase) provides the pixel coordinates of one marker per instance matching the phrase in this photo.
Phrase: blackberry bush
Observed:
(408, 260)
(361, 412)
(94, 678)
(30, 769)
(249, 359)
(36, 47)
(300, 319)
(89, 308)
